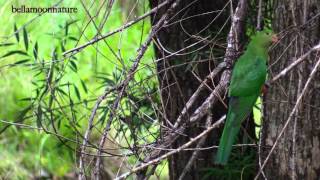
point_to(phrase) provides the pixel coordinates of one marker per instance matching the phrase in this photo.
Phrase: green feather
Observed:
(248, 77)
(241, 107)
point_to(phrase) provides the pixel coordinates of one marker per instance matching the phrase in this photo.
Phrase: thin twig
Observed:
(236, 30)
(295, 63)
(260, 142)
(99, 38)
(196, 152)
(195, 95)
(259, 17)
(129, 77)
(164, 156)
(87, 133)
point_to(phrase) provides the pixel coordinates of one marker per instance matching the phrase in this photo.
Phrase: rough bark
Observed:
(297, 156)
(177, 73)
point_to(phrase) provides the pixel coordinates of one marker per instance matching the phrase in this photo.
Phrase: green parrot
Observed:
(247, 80)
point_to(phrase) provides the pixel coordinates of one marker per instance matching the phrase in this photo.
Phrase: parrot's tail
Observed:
(229, 135)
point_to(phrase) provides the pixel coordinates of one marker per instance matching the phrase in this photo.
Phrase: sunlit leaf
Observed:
(27, 99)
(104, 115)
(59, 122)
(84, 86)
(61, 91)
(16, 33)
(73, 38)
(20, 62)
(66, 29)
(77, 92)
(63, 49)
(25, 38)
(35, 51)
(19, 118)
(6, 44)
(73, 66)
(105, 79)
(15, 52)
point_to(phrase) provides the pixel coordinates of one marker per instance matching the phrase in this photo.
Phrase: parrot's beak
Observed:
(274, 38)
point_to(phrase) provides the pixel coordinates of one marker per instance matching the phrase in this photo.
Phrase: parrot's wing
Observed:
(248, 78)
(241, 107)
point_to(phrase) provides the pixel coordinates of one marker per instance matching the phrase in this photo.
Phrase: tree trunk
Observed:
(178, 74)
(297, 155)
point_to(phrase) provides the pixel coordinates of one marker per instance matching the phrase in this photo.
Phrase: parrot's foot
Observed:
(264, 88)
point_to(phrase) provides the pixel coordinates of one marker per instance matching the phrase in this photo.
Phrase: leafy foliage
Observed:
(241, 166)
(49, 97)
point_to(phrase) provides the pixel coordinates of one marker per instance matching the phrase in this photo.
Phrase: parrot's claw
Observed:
(265, 87)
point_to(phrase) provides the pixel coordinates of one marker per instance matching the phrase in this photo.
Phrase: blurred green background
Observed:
(27, 45)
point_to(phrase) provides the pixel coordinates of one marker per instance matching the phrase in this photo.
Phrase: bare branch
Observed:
(295, 63)
(259, 17)
(130, 75)
(99, 38)
(236, 31)
(164, 156)
(195, 95)
(196, 152)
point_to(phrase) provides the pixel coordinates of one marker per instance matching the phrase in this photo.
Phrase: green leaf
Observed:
(67, 26)
(19, 118)
(63, 49)
(20, 62)
(39, 116)
(77, 92)
(66, 29)
(6, 44)
(59, 122)
(27, 99)
(106, 80)
(84, 86)
(73, 66)
(73, 38)
(25, 38)
(61, 91)
(14, 52)
(104, 115)
(16, 33)
(35, 51)
(85, 102)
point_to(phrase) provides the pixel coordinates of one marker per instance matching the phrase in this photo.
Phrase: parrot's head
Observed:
(264, 39)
